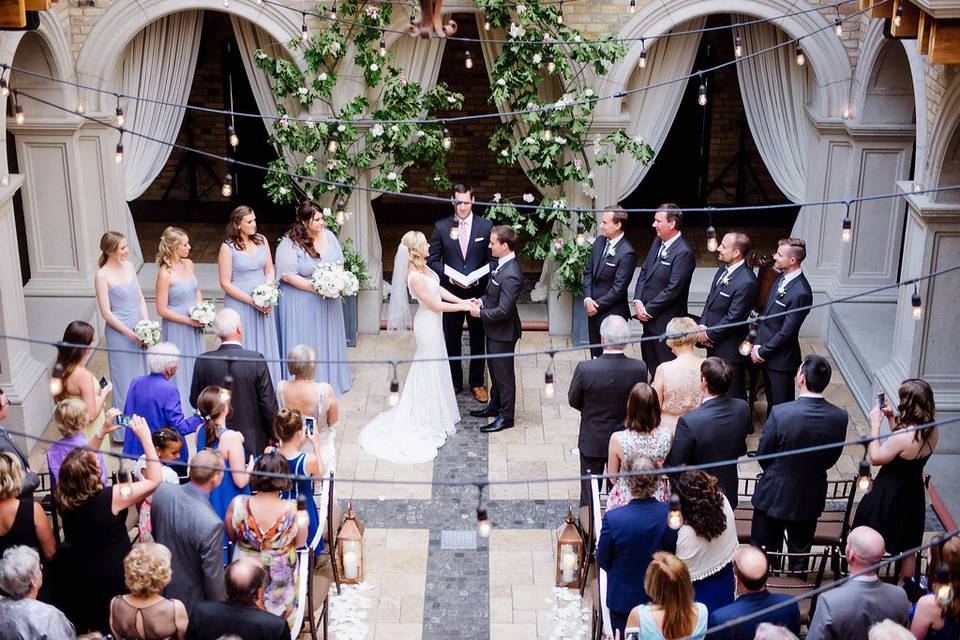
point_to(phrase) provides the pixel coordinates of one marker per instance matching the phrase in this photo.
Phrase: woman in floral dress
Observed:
(643, 436)
(264, 527)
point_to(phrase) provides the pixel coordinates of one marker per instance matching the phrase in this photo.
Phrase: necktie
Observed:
(722, 276)
(464, 238)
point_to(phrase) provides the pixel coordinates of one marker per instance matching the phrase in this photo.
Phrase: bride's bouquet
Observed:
(331, 280)
(203, 312)
(266, 295)
(148, 331)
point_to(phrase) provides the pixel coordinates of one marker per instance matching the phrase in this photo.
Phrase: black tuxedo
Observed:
(792, 491)
(501, 322)
(446, 250)
(727, 303)
(779, 339)
(716, 430)
(253, 402)
(606, 280)
(215, 619)
(662, 287)
(599, 391)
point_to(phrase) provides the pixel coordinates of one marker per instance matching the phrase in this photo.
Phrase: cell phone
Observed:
(122, 421)
(103, 382)
(309, 424)
(633, 633)
(881, 399)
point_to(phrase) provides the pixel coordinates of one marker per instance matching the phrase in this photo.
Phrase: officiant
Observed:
(460, 255)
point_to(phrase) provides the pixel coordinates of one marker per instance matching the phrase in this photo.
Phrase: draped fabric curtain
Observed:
(774, 91)
(159, 62)
(652, 111)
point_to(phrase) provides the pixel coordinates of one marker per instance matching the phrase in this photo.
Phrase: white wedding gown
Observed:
(413, 431)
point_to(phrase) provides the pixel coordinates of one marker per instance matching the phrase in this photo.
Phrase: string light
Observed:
(334, 142)
(484, 526)
(226, 389)
(227, 189)
(304, 32)
(847, 230)
(119, 153)
(18, 109)
(119, 111)
(80, 108)
(56, 380)
(123, 480)
(747, 345)
(4, 87)
(702, 93)
(738, 46)
(642, 62)
(675, 517)
(226, 4)
(801, 59)
(547, 132)
(838, 24)
(333, 11)
(898, 16)
(486, 22)
(394, 396)
(232, 136)
(943, 585)
(446, 141)
(580, 239)
(916, 303)
(711, 238)
(633, 7)
(467, 60)
(864, 479)
(551, 63)
(560, 13)
(340, 211)
(383, 48)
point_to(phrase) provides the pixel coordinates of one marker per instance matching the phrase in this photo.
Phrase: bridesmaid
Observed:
(306, 317)
(244, 264)
(122, 307)
(177, 291)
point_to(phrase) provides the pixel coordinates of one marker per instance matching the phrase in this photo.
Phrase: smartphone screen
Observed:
(123, 421)
(632, 633)
(881, 399)
(103, 382)
(309, 422)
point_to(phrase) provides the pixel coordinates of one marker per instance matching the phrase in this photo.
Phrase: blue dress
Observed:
(221, 496)
(306, 488)
(189, 340)
(124, 367)
(949, 631)
(307, 318)
(259, 330)
(650, 631)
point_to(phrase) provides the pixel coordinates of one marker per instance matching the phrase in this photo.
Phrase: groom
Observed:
(501, 322)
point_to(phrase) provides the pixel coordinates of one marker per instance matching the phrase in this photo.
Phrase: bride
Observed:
(413, 430)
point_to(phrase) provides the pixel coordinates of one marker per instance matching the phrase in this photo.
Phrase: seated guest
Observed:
(629, 537)
(70, 415)
(290, 430)
(144, 614)
(848, 611)
(672, 612)
(768, 631)
(751, 570)
(242, 614)
(315, 399)
(22, 520)
(264, 527)
(167, 442)
(22, 616)
(94, 518)
(184, 521)
(716, 430)
(644, 436)
(930, 619)
(677, 381)
(889, 630)
(157, 399)
(31, 480)
(708, 537)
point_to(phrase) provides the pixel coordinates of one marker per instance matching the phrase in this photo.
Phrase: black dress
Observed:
(22, 531)
(93, 568)
(895, 506)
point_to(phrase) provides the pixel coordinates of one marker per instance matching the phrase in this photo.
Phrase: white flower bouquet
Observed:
(148, 331)
(266, 295)
(351, 285)
(327, 279)
(203, 312)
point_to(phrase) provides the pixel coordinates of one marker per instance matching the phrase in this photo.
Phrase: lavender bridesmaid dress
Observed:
(182, 296)
(124, 367)
(307, 318)
(259, 330)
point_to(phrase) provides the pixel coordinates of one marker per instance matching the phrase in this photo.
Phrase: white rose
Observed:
(537, 58)
(309, 159)
(335, 46)
(530, 140)
(560, 140)
(528, 197)
(521, 8)
(261, 55)
(638, 139)
(576, 38)
(377, 130)
(322, 77)
(341, 128)
(451, 100)
(501, 82)
(374, 67)
(391, 176)
(394, 128)
(282, 191)
(420, 133)
(504, 153)
(303, 91)
(496, 197)
(516, 31)
(327, 212)
(588, 92)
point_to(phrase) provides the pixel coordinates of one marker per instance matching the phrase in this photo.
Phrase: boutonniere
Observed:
(664, 254)
(781, 291)
(724, 281)
(611, 251)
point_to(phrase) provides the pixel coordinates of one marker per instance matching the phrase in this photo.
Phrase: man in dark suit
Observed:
(629, 537)
(607, 275)
(716, 430)
(732, 297)
(184, 521)
(750, 570)
(462, 243)
(792, 491)
(501, 323)
(663, 284)
(599, 391)
(253, 402)
(777, 347)
(241, 614)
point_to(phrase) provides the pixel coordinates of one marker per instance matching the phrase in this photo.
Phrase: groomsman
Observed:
(732, 296)
(607, 276)
(466, 251)
(777, 347)
(501, 322)
(663, 284)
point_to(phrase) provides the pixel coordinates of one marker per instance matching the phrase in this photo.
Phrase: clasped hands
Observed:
(641, 311)
(473, 306)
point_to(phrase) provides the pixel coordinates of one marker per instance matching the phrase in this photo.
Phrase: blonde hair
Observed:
(302, 361)
(146, 569)
(685, 326)
(668, 584)
(11, 476)
(416, 244)
(70, 416)
(109, 243)
(170, 240)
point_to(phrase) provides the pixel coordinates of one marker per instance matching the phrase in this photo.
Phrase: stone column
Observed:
(22, 377)
(361, 228)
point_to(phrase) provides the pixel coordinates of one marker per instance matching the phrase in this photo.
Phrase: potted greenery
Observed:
(355, 264)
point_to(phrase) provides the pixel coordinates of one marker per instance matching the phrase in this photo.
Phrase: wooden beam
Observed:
(37, 5)
(923, 33)
(13, 14)
(909, 19)
(878, 8)
(945, 42)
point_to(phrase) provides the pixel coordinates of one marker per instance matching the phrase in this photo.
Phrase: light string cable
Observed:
(432, 121)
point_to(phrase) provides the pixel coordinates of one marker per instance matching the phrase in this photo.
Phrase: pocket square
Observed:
(780, 303)
(494, 282)
(610, 264)
(725, 295)
(478, 239)
(665, 262)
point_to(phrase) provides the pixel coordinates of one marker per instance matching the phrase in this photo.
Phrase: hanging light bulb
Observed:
(56, 380)
(304, 32)
(259, 3)
(227, 189)
(560, 13)
(18, 111)
(580, 239)
(547, 132)
(340, 215)
(333, 11)
(943, 585)
(549, 389)
(838, 27)
(864, 480)
(738, 46)
(226, 389)
(120, 118)
(846, 232)
(801, 59)
(898, 16)
(4, 87)
(383, 48)
(675, 517)
(5, 180)
(394, 396)
(711, 239)
(226, 4)
(486, 22)
(916, 303)
(642, 62)
(232, 137)
(334, 142)
(119, 155)
(467, 60)
(123, 479)
(484, 526)
(446, 141)
(551, 64)
(303, 516)
(846, 113)
(633, 7)
(747, 345)
(80, 108)
(702, 94)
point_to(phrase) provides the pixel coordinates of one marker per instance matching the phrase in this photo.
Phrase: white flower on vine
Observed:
(402, 79)
(496, 197)
(332, 164)
(638, 139)
(577, 164)
(303, 91)
(501, 82)
(558, 243)
(560, 204)
(394, 128)
(596, 148)
(521, 9)
(310, 123)
(504, 153)
(261, 55)
(530, 140)
(533, 106)
(308, 159)
(516, 31)
(420, 133)
(451, 100)
(284, 121)
(327, 212)
(588, 93)
(322, 77)
(377, 130)
(590, 175)
(560, 140)
(391, 176)
(341, 128)
(282, 191)
(528, 197)
(335, 47)
(576, 38)
(374, 67)
(373, 13)
(537, 58)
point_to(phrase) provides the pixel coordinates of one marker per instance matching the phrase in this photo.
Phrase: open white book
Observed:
(466, 279)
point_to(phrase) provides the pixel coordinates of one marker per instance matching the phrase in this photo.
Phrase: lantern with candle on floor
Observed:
(350, 548)
(569, 553)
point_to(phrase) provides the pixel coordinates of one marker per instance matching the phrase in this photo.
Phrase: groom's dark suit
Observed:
(726, 304)
(501, 322)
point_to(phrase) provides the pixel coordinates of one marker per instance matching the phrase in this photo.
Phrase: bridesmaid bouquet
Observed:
(328, 279)
(203, 312)
(148, 331)
(351, 285)
(266, 295)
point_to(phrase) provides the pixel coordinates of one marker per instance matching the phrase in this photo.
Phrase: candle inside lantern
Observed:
(351, 559)
(568, 563)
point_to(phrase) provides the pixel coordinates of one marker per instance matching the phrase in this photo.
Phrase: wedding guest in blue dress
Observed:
(304, 316)
(293, 434)
(177, 292)
(122, 307)
(213, 403)
(245, 263)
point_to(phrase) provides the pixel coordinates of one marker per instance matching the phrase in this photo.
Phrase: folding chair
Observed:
(743, 510)
(793, 577)
(833, 525)
(595, 510)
